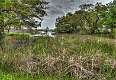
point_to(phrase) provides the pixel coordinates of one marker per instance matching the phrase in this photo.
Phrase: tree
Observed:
(109, 17)
(66, 24)
(90, 20)
(21, 12)
(81, 20)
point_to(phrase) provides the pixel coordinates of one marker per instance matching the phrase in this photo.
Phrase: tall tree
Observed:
(21, 12)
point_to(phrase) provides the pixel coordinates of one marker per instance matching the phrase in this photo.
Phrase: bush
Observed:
(20, 36)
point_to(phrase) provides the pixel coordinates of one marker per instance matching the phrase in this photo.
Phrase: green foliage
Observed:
(20, 36)
(89, 20)
(17, 13)
(79, 21)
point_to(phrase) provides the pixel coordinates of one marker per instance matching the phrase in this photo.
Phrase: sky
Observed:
(61, 7)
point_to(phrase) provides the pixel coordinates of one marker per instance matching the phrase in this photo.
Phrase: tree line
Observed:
(89, 19)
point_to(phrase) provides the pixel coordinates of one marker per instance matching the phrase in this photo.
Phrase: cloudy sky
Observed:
(61, 7)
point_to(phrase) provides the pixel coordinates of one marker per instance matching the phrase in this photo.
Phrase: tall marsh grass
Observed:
(65, 57)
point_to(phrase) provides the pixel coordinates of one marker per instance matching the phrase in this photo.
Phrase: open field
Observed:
(64, 57)
(57, 40)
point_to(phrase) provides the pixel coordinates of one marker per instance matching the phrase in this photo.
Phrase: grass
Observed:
(65, 57)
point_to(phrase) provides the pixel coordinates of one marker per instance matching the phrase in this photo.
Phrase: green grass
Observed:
(22, 76)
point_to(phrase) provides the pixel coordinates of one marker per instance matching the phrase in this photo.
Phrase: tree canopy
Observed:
(17, 13)
(90, 19)
(20, 12)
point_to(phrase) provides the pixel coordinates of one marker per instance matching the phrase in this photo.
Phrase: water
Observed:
(61, 7)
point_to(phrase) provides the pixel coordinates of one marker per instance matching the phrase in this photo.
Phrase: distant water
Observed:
(61, 7)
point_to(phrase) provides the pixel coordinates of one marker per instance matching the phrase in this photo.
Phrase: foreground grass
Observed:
(65, 57)
(21, 76)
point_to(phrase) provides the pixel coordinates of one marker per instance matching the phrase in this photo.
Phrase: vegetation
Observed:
(90, 19)
(19, 13)
(65, 56)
